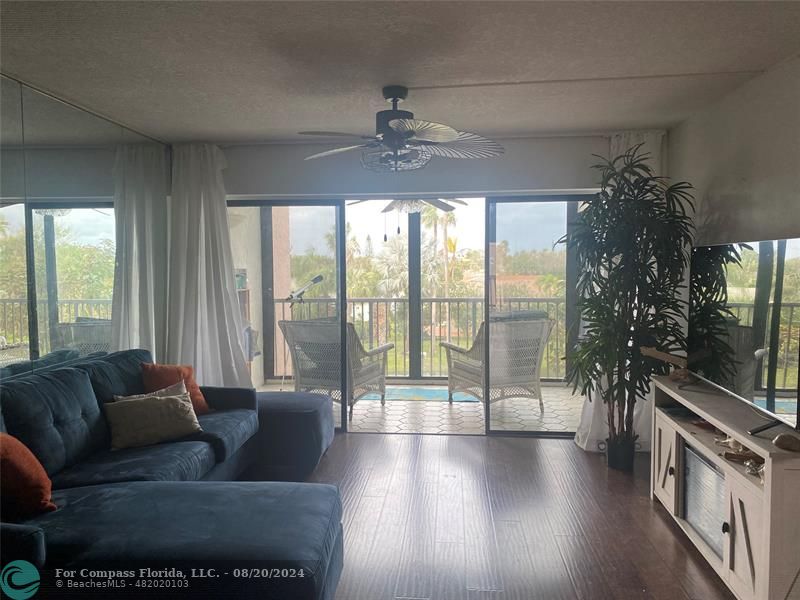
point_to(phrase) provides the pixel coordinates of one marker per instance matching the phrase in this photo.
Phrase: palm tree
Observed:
(352, 247)
(447, 219)
(430, 219)
(393, 266)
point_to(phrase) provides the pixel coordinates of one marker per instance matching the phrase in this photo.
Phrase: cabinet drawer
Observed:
(665, 446)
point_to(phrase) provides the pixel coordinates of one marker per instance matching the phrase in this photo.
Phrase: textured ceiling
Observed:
(250, 71)
(50, 122)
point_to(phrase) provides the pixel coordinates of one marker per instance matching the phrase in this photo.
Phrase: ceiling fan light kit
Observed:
(403, 143)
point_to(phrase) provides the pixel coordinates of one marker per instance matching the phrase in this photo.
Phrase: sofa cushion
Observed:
(56, 415)
(22, 542)
(295, 431)
(237, 524)
(150, 420)
(25, 487)
(176, 461)
(176, 389)
(228, 430)
(157, 376)
(116, 374)
(48, 360)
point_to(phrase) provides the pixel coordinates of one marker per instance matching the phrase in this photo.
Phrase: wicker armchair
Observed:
(517, 348)
(86, 335)
(316, 359)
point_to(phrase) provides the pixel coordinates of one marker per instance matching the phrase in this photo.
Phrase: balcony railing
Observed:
(381, 320)
(14, 323)
(788, 351)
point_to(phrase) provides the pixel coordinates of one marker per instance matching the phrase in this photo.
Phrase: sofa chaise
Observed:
(179, 502)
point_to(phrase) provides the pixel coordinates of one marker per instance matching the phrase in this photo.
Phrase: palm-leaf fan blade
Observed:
(468, 145)
(390, 207)
(427, 131)
(439, 204)
(336, 151)
(357, 136)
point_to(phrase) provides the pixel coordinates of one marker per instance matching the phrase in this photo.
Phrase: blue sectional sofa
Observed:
(177, 503)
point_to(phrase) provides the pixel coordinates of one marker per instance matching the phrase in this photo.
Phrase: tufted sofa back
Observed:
(116, 374)
(57, 412)
(56, 415)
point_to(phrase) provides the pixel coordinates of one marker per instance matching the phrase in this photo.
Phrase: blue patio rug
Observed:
(782, 406)
(431, 394)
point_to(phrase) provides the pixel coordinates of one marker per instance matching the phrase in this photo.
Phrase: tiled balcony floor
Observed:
(562, 412)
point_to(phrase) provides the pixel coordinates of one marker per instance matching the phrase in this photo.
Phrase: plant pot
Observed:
(620, 453)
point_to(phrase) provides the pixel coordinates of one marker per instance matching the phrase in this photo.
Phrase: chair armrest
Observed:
(221, 398)
(25, 542)
(379, 350)
(454, 348)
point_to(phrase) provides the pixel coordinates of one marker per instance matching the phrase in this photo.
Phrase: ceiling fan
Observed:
(411, 206)
(403, 143)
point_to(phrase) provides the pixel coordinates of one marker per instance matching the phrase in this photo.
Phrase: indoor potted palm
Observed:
(630, 242)
(709, 314)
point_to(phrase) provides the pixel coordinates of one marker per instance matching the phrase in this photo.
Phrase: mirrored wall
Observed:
(744, 321)
(58, 175)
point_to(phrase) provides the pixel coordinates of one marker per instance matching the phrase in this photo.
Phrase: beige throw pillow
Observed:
(172, 390)
(151, 420)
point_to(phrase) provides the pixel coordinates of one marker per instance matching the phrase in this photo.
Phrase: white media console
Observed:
(748, 531)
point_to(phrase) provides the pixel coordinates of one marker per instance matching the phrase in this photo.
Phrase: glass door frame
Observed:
(572, 318)
(414, 325)
(341, 279)
(34, 349)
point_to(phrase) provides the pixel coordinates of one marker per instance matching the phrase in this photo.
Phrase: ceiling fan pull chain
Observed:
(398, 223)
(385, 236)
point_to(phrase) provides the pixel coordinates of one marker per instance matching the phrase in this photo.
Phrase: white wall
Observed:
(54, 173)
(742, 154)
(534, 164)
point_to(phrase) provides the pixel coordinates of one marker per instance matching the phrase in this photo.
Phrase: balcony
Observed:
(381, 320)
(14, 331)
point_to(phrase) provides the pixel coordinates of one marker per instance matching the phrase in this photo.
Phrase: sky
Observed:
(526, 226)
(88, 225)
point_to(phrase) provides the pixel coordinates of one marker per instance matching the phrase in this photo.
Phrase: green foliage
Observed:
(83, 272)
(12, 261)
(709, 313)
(629, 242)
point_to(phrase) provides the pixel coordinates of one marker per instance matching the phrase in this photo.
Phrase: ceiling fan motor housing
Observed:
(391, 137)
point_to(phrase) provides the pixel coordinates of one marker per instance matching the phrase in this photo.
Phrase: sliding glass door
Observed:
(452, 263)
(14, 329)
(73, 252)
(530, 316)
(290, 286)
(377, 255)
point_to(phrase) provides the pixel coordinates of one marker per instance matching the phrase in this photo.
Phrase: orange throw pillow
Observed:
(156, 377)
(24, 484)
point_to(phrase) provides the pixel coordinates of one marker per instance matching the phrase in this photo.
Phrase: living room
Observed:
(368, 300)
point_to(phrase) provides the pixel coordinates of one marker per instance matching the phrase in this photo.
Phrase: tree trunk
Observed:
(446, 281)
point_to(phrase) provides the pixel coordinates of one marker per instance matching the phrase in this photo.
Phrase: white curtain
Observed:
(593, 428)
(203, 319)
(140, 211)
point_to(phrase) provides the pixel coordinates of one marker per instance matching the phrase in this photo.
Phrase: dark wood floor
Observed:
(460, 517)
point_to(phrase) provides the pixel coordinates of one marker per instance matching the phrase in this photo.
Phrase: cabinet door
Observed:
(665, 448)
(745, 548)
